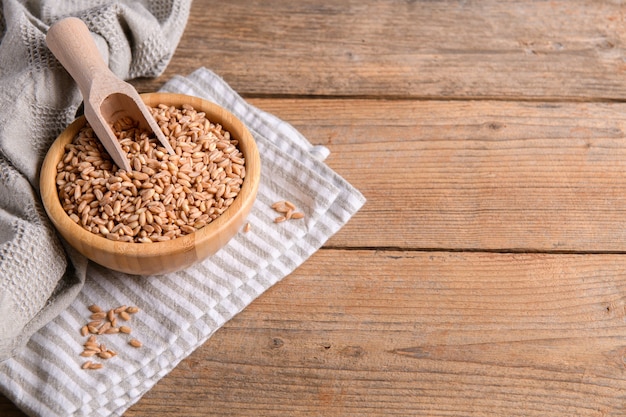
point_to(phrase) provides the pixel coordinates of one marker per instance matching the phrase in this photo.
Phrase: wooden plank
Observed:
(401, 333)
(540, 49)
(8, 409)
(486, 175)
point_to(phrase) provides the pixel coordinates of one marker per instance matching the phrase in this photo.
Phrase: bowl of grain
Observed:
(171, 210)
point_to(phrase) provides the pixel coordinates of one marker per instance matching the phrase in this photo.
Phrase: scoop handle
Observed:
(71, 43)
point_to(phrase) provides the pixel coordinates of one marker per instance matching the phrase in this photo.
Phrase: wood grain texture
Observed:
(402, 333)
(536, 49)
(480, 175)
(485, 276)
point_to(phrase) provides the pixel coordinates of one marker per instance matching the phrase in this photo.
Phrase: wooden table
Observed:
(486, 274)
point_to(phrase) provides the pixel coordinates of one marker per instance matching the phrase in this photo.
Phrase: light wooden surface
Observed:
(486, 274)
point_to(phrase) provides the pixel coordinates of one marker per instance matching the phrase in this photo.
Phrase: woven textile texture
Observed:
(39, 278)
(180, 311)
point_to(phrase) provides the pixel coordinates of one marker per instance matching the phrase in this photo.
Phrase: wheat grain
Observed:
(193, 187)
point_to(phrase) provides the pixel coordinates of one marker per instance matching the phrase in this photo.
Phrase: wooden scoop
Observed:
(107, 98)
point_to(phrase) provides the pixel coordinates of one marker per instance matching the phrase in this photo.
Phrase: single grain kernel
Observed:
(94, 308)
(125, 329)
(91, 346)
(135, 343)
(120, 309)
(106, 326)
(105, 355)
(98, 316)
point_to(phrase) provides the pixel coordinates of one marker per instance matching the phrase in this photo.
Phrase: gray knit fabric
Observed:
(39, 277)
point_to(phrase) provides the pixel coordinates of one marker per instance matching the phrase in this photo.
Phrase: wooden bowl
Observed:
(156, 257)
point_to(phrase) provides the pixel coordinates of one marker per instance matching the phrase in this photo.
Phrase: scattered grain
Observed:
(105, 323)
(287, 210)
(92, 346)
(98, 316)
(119, 309)
(106, 326)
(105, 355)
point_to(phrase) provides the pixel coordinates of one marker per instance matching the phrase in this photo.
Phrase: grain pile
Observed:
(164, 196)
(102, 323)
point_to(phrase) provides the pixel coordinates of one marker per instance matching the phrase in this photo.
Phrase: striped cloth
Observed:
(181, 311)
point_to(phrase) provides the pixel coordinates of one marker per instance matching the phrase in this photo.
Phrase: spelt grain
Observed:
(94, 308)
(98, 316)
(105, 355)
(208, 167)
(106, 326)
(119, 309)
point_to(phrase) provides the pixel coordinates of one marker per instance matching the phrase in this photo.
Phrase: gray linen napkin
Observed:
(38, 278)
(181, 311)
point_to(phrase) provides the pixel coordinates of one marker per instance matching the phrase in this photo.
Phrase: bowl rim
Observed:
(248, 191)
